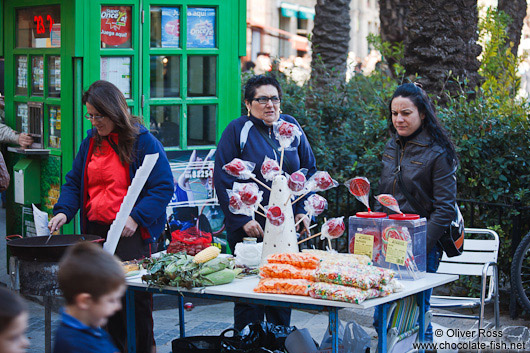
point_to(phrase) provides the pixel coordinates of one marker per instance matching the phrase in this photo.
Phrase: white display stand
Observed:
(280, 239)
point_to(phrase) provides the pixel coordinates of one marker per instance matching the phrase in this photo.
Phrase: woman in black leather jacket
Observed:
(421, 148)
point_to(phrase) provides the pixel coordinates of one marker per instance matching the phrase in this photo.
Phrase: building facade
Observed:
(280, 28)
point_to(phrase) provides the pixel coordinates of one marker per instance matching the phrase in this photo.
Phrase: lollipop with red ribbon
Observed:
(270, 169)
(322, 181)
(333, 228)
(286, 132)
(388, 201)
(249, 193)
(239, 168)
(314, 206)
(243, 170)
(237, 206)
(275, 216)
(297, 182)
(360, 188)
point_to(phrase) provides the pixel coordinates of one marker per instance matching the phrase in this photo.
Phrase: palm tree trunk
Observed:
(516, 9)
(392, 15)
(441, 43)
(330, 42)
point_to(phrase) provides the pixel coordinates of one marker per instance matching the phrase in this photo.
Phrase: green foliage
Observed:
(389, 52)
(498, 63)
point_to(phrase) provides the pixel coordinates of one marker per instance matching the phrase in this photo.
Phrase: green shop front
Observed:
(177, 63)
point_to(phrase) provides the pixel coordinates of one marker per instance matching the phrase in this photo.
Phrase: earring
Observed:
(248, 110)
(281, 111)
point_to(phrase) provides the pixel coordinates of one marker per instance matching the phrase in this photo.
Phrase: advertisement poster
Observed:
(201, 27)
(115, 25)
(194, 214)
(117, 69)
(170, 27)
(55, 35)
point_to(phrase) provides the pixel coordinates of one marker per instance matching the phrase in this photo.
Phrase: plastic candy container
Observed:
(322, 181)
(333, 228)
(368, 223)
(315, 205)
(275, 216)
(411, 229)
(296, 182)
(270, 169)
(239, 168)
(286, 132)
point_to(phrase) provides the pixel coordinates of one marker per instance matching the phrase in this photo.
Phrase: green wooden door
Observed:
(177, 62)
(38, 73)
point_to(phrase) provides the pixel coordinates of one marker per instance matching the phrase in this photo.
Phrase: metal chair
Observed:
(479, 258)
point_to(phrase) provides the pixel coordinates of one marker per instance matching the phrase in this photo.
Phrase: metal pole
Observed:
(334, 328)
(182, 325)
(131, 321)
(381, 346)
(516, 239)
(47, 323)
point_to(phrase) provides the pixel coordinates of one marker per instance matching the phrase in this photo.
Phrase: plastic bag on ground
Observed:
(352, 339)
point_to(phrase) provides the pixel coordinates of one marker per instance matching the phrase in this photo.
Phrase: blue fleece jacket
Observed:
(298, 155)
(74, 336)
(150, 208)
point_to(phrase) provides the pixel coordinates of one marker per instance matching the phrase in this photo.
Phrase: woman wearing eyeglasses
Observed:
(251, 138)
(106, 162)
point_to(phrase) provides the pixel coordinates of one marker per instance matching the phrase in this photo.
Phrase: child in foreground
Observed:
(92, 282)
(13, 322)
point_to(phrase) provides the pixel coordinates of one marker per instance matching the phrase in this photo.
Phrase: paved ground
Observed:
(211, 318)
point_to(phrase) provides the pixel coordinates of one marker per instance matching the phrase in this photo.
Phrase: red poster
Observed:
(115, 24)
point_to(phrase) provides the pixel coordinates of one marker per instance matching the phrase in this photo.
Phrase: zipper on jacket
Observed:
(399, 165)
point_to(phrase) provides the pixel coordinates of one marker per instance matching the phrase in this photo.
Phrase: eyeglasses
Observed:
(265, 100)
(94, 117)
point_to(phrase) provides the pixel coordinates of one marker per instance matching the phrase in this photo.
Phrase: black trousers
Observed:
(245, 314)
(130, 248)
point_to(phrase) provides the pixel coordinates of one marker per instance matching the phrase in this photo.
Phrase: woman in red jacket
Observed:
(101, 174)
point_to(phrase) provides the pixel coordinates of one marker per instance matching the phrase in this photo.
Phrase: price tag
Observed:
(396, 251)
(364, 244)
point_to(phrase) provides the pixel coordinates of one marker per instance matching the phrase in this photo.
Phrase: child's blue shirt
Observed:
(74, 336)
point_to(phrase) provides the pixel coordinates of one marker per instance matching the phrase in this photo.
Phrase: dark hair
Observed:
(430, 123)
(257, 81)
(87, 268)
(11, 306)
(110, 102)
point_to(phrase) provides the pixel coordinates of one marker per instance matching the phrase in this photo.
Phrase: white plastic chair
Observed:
(479, 258)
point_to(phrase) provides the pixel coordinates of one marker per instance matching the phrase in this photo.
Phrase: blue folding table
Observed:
(241, 291)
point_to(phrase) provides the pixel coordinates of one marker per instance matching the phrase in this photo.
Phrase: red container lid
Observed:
(404, 216)
(371, 214)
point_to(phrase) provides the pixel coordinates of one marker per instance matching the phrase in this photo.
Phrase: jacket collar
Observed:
(422, 139)
(74, 323)
(260, 123)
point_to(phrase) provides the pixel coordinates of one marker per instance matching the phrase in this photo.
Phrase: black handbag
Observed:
(452, 241)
